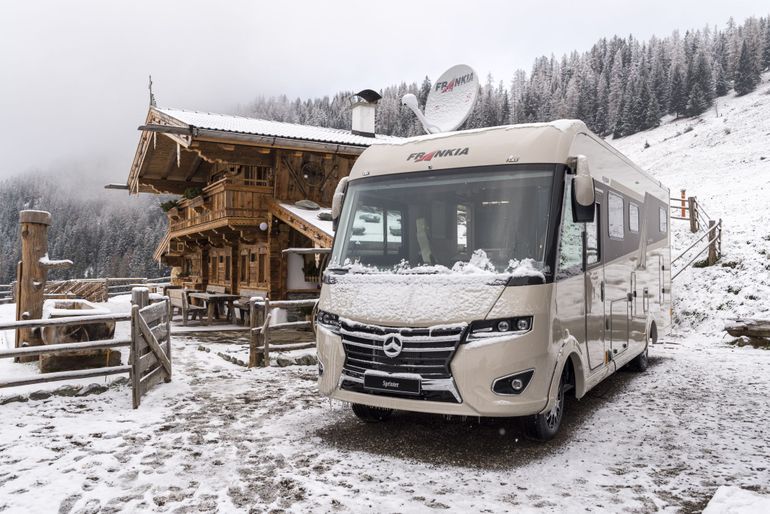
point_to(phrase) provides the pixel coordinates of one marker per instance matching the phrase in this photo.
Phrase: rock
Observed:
(307, 204)
(67, 390)
(119, 382)
(92, 389)
(40, 395)
(325, 216)
(14, 398)
(283, 362)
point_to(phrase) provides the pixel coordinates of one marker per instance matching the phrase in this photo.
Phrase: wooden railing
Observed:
(149, 346)
(687, 208)
(120, 286)
(208, 216)
(6, 293)
(261, 328)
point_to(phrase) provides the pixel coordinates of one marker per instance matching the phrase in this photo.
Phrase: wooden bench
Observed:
(242, 307)
(179, 301)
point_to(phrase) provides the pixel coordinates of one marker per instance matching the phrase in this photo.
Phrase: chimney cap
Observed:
(369, 95)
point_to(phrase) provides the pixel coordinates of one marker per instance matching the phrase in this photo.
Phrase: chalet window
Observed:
(615, 216)
(633, 217)
(227, 268)
(262, 266)
(213, 269)
(257, 175)
(244, 267)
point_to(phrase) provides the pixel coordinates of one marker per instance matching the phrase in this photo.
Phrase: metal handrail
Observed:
(695, 257)
(697, 241)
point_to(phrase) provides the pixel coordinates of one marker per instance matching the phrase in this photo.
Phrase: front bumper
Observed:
(474, 368)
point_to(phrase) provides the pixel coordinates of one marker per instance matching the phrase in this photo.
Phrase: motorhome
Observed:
(491, 272)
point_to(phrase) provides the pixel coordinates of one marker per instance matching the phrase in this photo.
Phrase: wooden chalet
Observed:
(239, 181)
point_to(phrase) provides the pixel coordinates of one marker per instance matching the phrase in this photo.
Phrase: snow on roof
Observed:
(240, 124)
(311, 217)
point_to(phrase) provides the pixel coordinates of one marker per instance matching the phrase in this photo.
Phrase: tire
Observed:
(642, 361)
(370, 414)
(544, 426)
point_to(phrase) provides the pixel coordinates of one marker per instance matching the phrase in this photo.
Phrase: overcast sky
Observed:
(74, 73)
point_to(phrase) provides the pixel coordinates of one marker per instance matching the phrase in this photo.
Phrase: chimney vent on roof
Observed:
(363, 111)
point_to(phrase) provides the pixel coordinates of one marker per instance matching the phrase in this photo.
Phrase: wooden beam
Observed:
(168, 129)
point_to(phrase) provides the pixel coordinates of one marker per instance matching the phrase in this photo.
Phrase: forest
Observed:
(619, 87)
(105, 233)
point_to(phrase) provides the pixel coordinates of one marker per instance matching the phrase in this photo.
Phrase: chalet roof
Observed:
(256, 126)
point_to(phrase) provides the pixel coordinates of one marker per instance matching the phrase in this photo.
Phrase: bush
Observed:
(192, 192)
(727, 131)
(167, 206)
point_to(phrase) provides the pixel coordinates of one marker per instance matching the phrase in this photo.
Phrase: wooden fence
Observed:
(687, 208)
(261, 328)
(6, 293)
(149, 346)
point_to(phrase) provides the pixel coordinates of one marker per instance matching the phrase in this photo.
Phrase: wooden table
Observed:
(214, 299)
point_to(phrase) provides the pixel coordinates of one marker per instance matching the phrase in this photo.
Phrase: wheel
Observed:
(641, 361)
(370, 414)
(545, 425)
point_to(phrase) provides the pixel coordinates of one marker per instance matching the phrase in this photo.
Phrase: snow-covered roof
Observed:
(256, 126)
(311, 217)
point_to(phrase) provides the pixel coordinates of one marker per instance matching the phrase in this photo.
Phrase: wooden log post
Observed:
(140, 296)
(712, 258)
(32, 275)
(266, 334)
(693, 206)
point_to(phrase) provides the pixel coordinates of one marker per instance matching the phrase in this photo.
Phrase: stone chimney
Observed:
(363, 111)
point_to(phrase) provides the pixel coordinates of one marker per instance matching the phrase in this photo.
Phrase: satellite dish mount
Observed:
(450, 100)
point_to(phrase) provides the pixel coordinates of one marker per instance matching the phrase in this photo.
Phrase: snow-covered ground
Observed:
(224, 438)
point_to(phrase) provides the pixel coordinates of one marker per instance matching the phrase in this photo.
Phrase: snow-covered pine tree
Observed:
(746, 74)
(697, 102)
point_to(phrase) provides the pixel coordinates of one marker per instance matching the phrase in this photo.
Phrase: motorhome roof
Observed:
(530, 143)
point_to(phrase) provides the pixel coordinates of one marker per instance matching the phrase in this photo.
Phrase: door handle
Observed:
(601, 290)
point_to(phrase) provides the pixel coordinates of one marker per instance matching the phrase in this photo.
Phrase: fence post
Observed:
(134, 356)
(693, 206)
(140, 296)
(719, 241)
(168, 334)
(684, 204)
(252, 335)
(266, 334)
(712, 258)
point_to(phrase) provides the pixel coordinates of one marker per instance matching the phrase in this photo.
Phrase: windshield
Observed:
(489, 219)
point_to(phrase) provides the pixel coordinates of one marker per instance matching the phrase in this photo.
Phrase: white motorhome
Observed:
(491, 272)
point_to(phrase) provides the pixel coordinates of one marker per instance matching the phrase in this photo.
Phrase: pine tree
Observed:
(766, 46)
(678, 96)
(721, 87)
(746, 75)
(697, 102)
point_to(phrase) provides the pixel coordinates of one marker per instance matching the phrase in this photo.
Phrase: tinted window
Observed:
(633, 217)
(662, 219)
(615, 216)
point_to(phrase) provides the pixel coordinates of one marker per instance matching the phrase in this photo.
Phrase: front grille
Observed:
(426, 352)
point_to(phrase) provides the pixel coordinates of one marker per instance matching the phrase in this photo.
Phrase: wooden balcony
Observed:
(225, 203)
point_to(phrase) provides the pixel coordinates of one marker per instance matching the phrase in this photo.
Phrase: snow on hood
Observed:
(421, 295)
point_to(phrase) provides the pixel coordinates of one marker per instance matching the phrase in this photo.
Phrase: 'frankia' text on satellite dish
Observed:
(449, 102)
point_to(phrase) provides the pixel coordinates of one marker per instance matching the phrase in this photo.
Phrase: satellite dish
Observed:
(450, 100)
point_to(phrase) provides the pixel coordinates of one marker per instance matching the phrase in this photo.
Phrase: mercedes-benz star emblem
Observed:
(392, 346)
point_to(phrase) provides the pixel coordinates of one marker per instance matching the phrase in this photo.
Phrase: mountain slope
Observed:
(723, 160)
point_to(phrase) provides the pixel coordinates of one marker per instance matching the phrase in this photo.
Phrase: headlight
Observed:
(328, 320)
(484, 329)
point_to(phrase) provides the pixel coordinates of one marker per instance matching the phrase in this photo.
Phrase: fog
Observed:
(74, 74)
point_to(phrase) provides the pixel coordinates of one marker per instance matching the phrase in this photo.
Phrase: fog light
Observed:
(503, 326)
(523, 324)
(517, 384)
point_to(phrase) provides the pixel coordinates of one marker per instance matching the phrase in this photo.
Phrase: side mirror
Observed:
(583, 195)
(337, 200)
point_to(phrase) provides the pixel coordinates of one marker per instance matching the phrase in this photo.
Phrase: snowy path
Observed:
(221, 438)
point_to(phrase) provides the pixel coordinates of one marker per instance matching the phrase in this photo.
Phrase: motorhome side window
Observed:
(615, 216)
(593, 254)
(633, 217)
(662, 220)
(571, 238)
